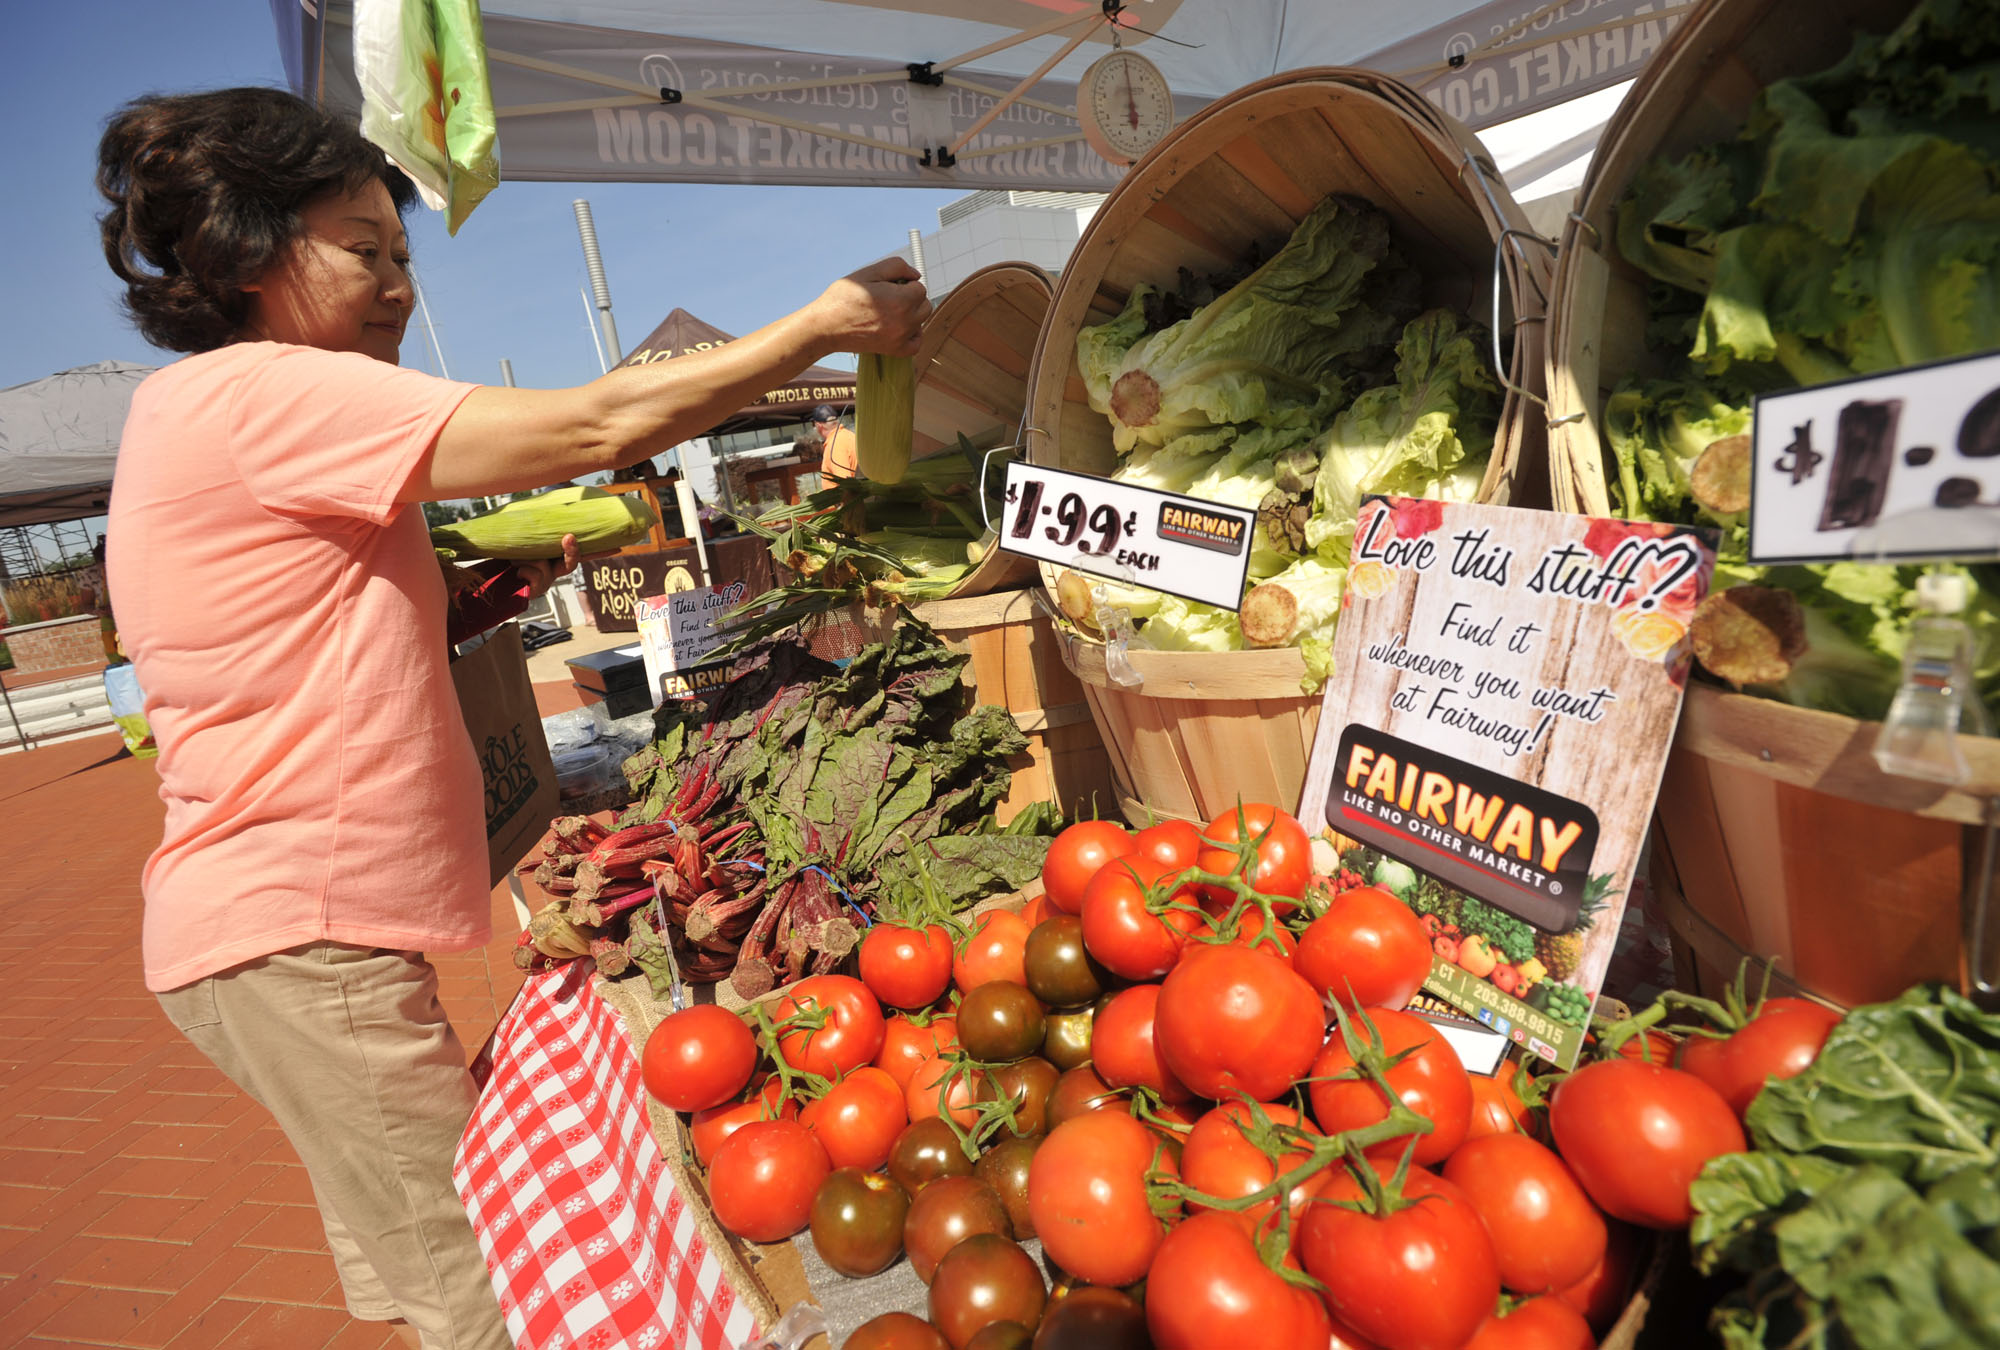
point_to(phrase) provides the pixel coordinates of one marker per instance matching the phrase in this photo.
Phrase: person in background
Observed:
(837, 451)
(325, 824)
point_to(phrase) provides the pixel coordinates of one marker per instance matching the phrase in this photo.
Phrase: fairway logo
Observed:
(1204, 529)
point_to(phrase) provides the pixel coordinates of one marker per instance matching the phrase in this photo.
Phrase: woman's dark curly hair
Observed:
(205, 193)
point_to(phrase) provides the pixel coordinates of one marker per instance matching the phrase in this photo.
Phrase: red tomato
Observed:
(858, 1120)
(1421, 1278)
(716, 1124)
(1652, 1047)
(1232, 1021)
(1545, 1231)
(1171, 843)
(1432, 1082)
(698, 1058)
(1087, 1193)
(1368, 950)
(1636, 1134)
(1496, 1107)
(1600, 1296)
(906, 967)
(1284, 859)
(1075, 856)
(762, 1182)
(1208, 1288)
(1250, 933)
(851, 1034)
(1346, 1338)
(997, 950)
(1124, 1048)
(1219, 1160)
(1125, 936)
(905, 1045)
(927, 1095)
(1781, 1041)
(1036, 910)
(1538, 1324)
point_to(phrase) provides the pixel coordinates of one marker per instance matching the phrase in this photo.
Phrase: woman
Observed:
(278, 593)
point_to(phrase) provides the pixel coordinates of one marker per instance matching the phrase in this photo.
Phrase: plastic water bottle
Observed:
(1937, 700)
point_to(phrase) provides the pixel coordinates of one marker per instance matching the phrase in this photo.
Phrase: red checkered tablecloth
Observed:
(589, 1243)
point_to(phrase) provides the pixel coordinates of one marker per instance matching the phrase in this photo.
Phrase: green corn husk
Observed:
(885, 394)
(534, 527)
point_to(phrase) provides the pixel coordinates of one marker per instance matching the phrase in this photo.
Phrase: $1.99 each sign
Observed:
(1194, 549)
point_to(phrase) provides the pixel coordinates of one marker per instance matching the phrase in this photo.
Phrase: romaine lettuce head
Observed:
(1657, 431)
(1179, 625)
(1414, 437)
(1100, 348)
(1278, 339)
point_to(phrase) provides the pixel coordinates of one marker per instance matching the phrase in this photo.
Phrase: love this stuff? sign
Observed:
(1505, 689)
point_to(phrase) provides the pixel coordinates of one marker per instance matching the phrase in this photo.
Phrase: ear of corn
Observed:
(885, 406)
(534, 527)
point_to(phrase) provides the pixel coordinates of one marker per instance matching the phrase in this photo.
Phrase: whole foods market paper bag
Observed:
(506, 730)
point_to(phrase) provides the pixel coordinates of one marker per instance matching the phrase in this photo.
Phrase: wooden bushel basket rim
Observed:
(972, 387)
(1455, 164)
(1697, 89)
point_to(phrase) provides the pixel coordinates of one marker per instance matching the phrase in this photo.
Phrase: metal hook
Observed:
(1499, 285)
(1596, 239)
(1983, 983)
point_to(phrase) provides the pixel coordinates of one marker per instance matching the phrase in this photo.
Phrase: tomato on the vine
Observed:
(857, 1121)
(939, 1087)
(1076, 855)
(1284, 858)
(1231, 1020)
(1218, 1159)
(1781, 1041)
(763, 1179)
(1431, 1081)
(851, 1034)
(1600, 1296)
(1208, 1287)
(905, 1045)
(1122, 933)
(1546, 1233)
(1636, 1135)
(716, 1124)
(1087, 1193)
(1422, 1277)
(1124, 1044)
(997, 949)
(1537, 1324)
(906, 967)
(1171, 843)
(698, 1057)
(1368, 950)
(1497, 1107)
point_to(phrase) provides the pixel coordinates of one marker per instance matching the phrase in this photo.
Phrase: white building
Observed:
(982, 228)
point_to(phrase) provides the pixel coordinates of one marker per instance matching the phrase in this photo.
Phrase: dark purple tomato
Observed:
(1005, 1168)
(1091, 1318)
(857, 1221)
(946, 1213)
(926, 1151)
(985, 1279)
(1060, 972)
(896, 1331)
(1000, 1021)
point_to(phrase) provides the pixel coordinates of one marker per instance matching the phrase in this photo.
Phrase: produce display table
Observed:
(589, 1243)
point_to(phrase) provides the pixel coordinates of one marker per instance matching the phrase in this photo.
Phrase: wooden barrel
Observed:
(1777, 835)
(1203, 729)
(972, 381)
(1699, 89)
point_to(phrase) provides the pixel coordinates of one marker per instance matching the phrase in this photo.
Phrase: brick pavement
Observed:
(144, 1201)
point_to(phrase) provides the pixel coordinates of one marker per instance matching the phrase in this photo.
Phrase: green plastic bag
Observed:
(426, 99)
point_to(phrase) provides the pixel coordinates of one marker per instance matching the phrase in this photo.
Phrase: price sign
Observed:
(1194, 549)
(1891, 467)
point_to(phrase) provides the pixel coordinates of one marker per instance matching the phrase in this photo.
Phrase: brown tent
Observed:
(681, 332)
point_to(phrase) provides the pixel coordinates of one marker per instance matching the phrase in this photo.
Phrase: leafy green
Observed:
(1426, 435)
(1291, 332)
(1869, 1216)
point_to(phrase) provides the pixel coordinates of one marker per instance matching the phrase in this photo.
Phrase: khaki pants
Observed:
(350, 1049)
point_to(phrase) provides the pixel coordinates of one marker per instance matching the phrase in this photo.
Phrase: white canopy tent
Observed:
(914, 93)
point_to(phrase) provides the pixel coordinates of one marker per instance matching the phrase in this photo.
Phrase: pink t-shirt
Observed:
(287, 619)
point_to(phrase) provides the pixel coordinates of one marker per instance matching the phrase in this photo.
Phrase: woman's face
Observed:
(345, 284)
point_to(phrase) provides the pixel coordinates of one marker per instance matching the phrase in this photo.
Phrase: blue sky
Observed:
(507, 286)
